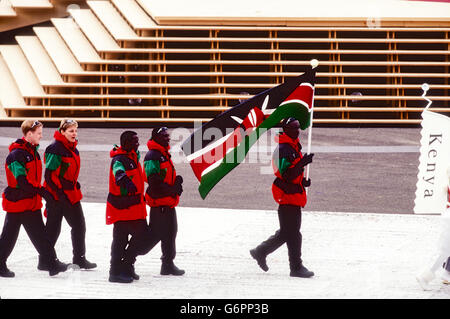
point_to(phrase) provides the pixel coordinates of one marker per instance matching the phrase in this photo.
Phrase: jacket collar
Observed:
(23, 144)
(117, 150)
(152, 145)
(283, 138)
(61, 138)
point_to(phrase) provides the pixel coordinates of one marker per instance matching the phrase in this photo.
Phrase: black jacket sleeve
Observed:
(25, 185)
(49, 181)
(120, 176)
(287, 152)
(297, 170)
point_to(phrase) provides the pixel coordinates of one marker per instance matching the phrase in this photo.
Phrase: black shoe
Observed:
(446, 265)
(5, 272)
(120, 278)
(127, 269)
(57, 267)
(171, 269)
(133, 273)
(260, 259)
(43, 265)
(83, 263)
(302, 272)
(121, 273)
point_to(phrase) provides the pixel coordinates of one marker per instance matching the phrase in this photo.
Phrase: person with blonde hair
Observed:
(62, 168)
(22, 200)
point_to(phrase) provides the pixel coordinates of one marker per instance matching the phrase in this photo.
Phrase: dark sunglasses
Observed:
(161, 129)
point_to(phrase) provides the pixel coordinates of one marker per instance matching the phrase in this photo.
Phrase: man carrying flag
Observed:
(213, 158)
(289, 192)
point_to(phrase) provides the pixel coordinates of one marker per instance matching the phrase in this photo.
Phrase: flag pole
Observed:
(314, 64)
(425, 88)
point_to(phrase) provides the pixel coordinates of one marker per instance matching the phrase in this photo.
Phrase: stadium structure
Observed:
(184, 61)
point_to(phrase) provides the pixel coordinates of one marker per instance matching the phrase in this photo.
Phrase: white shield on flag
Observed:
(432, 182)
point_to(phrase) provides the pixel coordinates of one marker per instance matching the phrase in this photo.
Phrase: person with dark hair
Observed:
(289, 192)
(162, 195)
(125, 207)
(22, 200)
(62, 167)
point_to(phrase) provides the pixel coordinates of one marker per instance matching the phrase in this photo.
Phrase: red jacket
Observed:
(287, 188)
(120, 204)
(158, 162)
(68, 169)
(23, 159)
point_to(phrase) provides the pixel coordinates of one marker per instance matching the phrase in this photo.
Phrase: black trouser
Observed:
(447, 264)
(163, 227)
(34, 226)
(290, 218)
(74, 217)
(122, 229)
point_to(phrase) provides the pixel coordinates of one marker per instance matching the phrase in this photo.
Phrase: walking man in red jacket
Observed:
(162, 195)
(289, 192)
(22, 200)
(125, 207)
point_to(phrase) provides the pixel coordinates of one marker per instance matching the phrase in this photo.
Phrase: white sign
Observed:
(432, 180)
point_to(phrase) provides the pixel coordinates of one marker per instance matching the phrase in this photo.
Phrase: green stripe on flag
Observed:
(237, 155)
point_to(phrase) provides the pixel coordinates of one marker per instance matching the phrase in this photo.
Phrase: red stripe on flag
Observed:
(254, 118)
(202, 162)
(303, 93)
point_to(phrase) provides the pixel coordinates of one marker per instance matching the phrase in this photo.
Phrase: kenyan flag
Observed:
(222, 144)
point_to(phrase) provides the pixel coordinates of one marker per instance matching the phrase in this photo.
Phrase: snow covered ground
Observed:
(354, 255)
